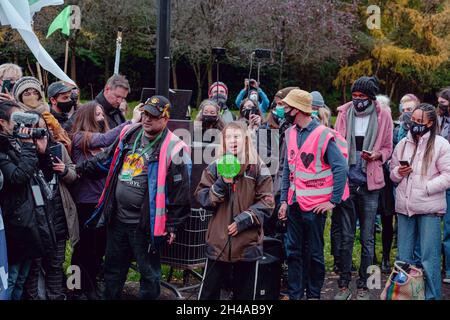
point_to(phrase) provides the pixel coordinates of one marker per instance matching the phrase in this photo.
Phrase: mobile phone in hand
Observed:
(404, 163)
(56, 151)
(368, 153)
(6, 86)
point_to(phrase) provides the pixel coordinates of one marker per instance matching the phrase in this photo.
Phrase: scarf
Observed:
(40, 109)
(371, 133)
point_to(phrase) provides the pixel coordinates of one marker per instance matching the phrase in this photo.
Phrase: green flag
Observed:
(62, 21)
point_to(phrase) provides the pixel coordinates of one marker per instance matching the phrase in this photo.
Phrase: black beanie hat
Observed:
(367, 85)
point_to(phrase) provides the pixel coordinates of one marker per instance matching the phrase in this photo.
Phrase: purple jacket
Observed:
(383, 143)
(87, 190)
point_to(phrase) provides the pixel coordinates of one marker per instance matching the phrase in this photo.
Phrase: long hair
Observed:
(86, 124)
(431, 113)
(250, 155)
(199, 119)
(241, 108)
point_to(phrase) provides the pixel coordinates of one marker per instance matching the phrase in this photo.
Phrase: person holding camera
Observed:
(25, 195)
(9, 74)
(29, 95)
(253, 92)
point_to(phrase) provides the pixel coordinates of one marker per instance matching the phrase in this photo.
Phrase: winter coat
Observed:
(177, 184)
(383, 143)
(29, 228)
(417, 193)
(252, 201)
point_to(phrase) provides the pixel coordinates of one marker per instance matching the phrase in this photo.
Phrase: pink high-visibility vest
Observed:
(311, 178)
(170, 147)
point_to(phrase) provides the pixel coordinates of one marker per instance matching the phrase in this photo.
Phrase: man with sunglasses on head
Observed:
(146, 197)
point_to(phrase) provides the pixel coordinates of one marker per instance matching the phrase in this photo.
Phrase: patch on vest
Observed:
(315, 183)
(307, 159)
(177, 178)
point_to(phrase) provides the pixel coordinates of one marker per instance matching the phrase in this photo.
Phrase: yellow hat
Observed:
(299, 99)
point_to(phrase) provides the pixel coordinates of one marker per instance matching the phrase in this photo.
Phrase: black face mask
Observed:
(209, 119)
(444, 109)
(361, 104)
(290, 119)
(221, 99)
(101, 124)
(417, 129)
(65, 107)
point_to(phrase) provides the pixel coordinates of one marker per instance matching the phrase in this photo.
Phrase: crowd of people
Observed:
(116, 190)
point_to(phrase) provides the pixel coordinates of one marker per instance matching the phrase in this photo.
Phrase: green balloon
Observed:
(228, 166)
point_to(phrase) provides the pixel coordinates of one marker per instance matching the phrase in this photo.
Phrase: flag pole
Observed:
(66, 59)
(118, 49)
(38, 66)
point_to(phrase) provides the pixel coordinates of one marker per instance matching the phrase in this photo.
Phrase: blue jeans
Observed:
(446, 240)
(362, 205)
(125, 241)
(428, 229)
(17, 275)
(305, 257)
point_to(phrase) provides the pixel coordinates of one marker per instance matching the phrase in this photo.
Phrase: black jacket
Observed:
(177, 185)
(113, 115)
(29, 228)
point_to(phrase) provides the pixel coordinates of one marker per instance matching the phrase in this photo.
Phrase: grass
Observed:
(134, 275)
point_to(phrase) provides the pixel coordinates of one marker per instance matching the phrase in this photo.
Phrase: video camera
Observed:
(27, 120)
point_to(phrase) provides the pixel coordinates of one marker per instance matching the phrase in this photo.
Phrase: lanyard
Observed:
(149, 146)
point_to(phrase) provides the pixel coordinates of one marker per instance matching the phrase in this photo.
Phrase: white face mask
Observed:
(253, 97)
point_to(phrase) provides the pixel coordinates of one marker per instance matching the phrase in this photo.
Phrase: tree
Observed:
(412, 44)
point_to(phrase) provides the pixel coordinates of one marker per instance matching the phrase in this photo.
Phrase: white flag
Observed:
(17, 14)
(37, 5)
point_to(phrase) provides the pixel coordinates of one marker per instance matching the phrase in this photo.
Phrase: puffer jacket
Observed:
(252, 201)
(417, 193)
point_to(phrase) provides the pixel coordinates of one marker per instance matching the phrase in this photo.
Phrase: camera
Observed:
(218, 53)
(263, 53)
(27, 120)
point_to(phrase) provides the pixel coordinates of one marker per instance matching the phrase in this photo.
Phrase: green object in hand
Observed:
(228, 166)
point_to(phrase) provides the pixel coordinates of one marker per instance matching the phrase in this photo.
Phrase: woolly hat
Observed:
(317, 99)
(217, 84)
(299, 99)
(25, 83)
(367, 85)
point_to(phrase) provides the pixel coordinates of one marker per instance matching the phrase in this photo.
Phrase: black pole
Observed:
(163, 48)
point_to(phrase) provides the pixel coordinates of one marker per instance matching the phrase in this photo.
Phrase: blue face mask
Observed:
(279, 111)
(315, 113)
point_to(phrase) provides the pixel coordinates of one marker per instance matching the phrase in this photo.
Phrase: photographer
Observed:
(64, 215)
(9, 74)
(29, 230)
(253, 92)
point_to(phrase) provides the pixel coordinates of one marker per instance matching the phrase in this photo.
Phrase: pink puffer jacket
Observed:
(417, 194)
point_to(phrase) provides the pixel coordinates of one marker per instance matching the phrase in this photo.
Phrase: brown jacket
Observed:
(70, 209)
(252, 200)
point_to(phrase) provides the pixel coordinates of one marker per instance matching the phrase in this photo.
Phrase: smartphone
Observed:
(404, 163)
(6, 86)
(56, 151)
(367, 152)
